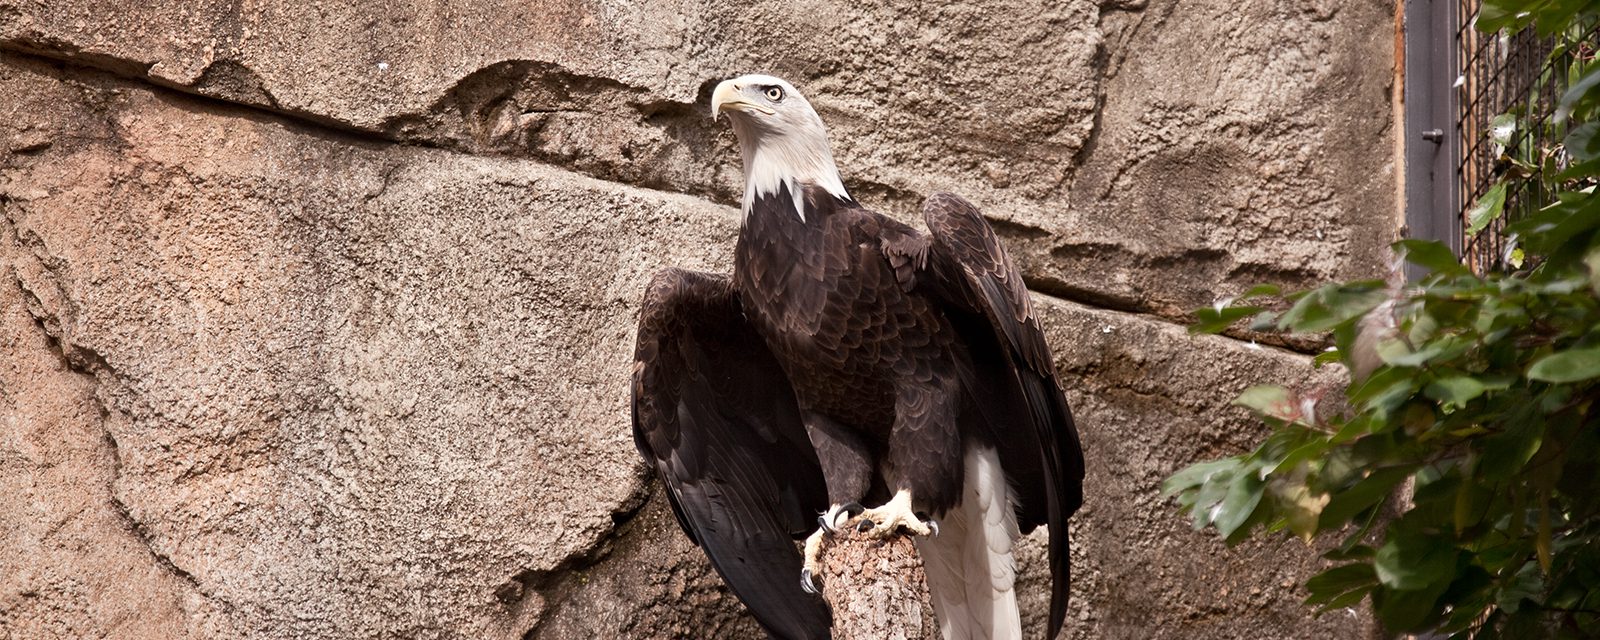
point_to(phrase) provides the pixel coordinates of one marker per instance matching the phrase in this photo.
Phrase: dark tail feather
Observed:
(1064, 460)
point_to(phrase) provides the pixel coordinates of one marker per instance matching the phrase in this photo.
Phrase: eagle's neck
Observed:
(775, 160)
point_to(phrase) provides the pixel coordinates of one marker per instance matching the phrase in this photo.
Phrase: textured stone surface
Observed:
(1151, 399)
(74, 565)
(1143, 157)
(1239, 143)
(268, 373)
(613, 87)
(347, 388)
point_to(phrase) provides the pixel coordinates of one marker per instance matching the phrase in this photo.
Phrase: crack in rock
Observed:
(593, 125)
(547, 586)
(91, 365)
(234, 82)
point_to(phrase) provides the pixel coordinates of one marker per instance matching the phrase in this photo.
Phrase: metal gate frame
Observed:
(1457, 81)
(1432, 137)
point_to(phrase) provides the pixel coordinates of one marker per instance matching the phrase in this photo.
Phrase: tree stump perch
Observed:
(876, 587)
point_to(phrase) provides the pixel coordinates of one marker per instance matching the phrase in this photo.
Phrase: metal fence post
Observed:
(1432, 141)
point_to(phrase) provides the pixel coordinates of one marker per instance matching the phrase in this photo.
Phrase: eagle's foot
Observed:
(812, 564)
(830, 522)
(894, 515)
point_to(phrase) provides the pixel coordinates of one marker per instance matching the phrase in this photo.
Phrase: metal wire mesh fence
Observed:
(1506, 92)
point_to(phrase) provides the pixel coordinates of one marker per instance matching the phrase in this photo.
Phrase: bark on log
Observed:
(876, 587)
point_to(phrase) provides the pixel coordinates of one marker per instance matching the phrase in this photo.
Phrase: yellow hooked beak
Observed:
(730, 97)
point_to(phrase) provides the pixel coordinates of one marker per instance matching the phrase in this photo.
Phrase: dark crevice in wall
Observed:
(1056, 290)
(552, 585)
(140, 72)
(1051, 288)
(138, 528)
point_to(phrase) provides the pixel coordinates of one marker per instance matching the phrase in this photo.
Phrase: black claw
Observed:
(865, 526)
(928, 520)
(934, 526)
(850, 510)
(805, 582)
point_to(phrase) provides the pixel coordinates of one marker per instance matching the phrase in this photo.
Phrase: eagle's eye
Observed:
(775, 94)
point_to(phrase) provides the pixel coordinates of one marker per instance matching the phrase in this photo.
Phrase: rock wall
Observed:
(316, 320)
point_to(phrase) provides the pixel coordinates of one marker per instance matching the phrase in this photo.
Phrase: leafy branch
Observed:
(1461, 470)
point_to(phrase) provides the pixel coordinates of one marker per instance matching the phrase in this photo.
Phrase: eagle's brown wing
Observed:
(714, 414)
(962, 263)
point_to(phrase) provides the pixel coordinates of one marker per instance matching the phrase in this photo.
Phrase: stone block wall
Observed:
(316, 321)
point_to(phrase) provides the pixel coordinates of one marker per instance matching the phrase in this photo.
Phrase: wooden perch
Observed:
(876, 587)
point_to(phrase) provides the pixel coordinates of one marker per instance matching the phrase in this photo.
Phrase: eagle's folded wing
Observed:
(966, 266)
(716, 417)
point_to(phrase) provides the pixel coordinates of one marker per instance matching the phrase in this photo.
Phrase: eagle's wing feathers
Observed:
(715, 415)
(964, 264)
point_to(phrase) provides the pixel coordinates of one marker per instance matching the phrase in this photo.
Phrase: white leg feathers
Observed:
(970, 571)
(811, 567)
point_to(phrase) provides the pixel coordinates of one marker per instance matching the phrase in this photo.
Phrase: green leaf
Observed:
(1330, 584)
(1300, 454)
(1260, 290)
(1433, 255)
(1350, 598)
(1396, 353)
(1367, 492)
(1410, 561)
(1578, 170)
(1525, 585)
(1327, 357)
(1356, 427)
(1417, 418)
(1488, 208)
(1470, 502)
(1240, 502)
(1495, 15)
(1583, 142)
(1408, 610)
(1195, 475)
(1553, 226)
(1204, 502)
(1352, 548)
(1216, 318)
(1269, 400)
(1385, 390)
(1454, 389)
(1330, 306)
(1555, 16)
(1571, 365)
(1505, 453)
(1576, 93)
(1423, 328)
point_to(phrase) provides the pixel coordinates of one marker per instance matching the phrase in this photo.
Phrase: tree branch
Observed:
(877, 588)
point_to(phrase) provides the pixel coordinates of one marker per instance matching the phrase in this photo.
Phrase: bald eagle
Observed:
(852, 359)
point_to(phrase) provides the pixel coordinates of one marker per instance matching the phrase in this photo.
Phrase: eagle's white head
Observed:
(780, 137)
